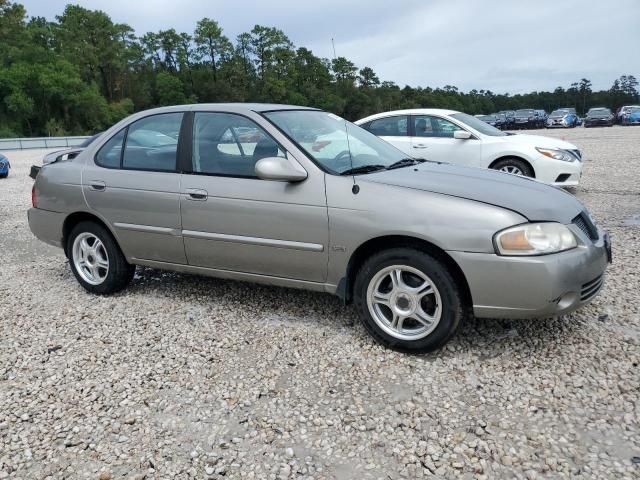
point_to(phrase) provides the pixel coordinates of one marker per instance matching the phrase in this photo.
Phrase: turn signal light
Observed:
(34, 203)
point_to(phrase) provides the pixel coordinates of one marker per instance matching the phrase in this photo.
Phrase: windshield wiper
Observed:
(405, 162)
(363, 169)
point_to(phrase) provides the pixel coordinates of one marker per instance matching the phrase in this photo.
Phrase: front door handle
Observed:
(196, 194)
(97, 185)
(420, 145)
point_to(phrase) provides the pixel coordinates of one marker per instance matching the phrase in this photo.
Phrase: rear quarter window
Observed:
(109, 154)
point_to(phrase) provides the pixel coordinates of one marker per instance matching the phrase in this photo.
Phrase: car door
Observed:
(232, 220)
(432, 138)
(132, 183)
(394, 129)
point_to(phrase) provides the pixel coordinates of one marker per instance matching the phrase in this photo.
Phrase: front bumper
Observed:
(532, 287)
(598, 123)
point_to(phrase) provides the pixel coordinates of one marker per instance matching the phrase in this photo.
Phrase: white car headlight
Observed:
(534, 239)
(556, 154)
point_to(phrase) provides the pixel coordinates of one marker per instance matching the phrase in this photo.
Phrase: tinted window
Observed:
(228, 144)
(428, 126)
(389, 127)
(152, 143)
(109, 155)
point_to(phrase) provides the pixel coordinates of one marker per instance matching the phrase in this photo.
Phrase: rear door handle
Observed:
(420, 146)
(97, 185)
(196, 194)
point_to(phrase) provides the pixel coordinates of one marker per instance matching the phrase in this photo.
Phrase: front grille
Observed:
(590, 289)
(584, 223)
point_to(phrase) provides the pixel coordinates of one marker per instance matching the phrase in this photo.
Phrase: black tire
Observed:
(514, 162)
(120, 272)
(452, 307)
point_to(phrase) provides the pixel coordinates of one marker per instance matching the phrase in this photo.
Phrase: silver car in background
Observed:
(298, 197)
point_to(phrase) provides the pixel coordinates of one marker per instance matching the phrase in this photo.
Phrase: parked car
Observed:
(413, 244)
(454, 137)
(488, 119)
(510, 116)
(622, 111)
(562, 119)
(599, 117)
(542, 118)
(501, 121)
(5, 166)
(525, 118)
(69, 153)
(631, 116)
(66, 154)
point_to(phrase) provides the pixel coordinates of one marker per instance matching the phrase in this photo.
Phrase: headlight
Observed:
(534, 239)
(556, 154)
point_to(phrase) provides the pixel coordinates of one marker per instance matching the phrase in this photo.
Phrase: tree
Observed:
(368, 78)
(585, 91)
(81, 72)
(211, 43)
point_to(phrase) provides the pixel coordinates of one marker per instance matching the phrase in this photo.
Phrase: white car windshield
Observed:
(478, 124)
(336, 145)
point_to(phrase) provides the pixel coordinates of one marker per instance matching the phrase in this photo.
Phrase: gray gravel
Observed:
(187, 377)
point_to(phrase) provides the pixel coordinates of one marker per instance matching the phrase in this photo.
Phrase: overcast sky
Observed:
(499, 45)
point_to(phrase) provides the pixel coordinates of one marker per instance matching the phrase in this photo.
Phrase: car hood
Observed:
(532, 199)
(539, 141)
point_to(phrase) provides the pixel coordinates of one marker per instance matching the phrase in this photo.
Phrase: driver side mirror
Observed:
(279, 169)
(461, 135)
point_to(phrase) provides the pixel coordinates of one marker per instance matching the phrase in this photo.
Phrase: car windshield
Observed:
(337, 145)
(559, 113)
(599, 112)
(633, 110)
(524, 113)
(478, 124)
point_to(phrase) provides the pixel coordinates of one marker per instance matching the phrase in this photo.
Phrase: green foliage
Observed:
(82, 72)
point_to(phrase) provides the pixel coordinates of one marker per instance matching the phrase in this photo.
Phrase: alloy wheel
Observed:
(90, 258)
(404, 302)
(512, 170)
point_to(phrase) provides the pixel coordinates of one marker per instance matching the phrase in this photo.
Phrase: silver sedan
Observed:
(298, 197)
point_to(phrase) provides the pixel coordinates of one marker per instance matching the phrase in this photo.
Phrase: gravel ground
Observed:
(188, 377)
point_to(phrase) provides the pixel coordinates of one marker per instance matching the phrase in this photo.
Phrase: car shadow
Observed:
(487, 338)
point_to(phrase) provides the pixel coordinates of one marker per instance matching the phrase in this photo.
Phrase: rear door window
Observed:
(152, 143)
(390, 126)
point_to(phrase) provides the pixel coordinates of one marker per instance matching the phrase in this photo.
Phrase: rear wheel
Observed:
(408, 300)
(515, 166)
(96, 260)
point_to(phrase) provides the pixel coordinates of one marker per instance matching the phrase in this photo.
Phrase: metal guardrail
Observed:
(40, 142)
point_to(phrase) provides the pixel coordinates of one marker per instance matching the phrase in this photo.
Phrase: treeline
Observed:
(83, 72)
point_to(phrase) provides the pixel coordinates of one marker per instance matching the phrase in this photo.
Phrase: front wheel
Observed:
(96, 260)
(408, 300)
(515, 166)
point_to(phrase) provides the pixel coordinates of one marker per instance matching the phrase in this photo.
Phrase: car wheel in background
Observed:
(515, 166)
(408, 300)
(96, 260)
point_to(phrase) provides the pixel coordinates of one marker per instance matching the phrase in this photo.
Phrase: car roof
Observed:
(410, 111)
(231, 107)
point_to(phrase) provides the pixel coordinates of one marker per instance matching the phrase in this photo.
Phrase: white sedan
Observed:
(458, 138)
